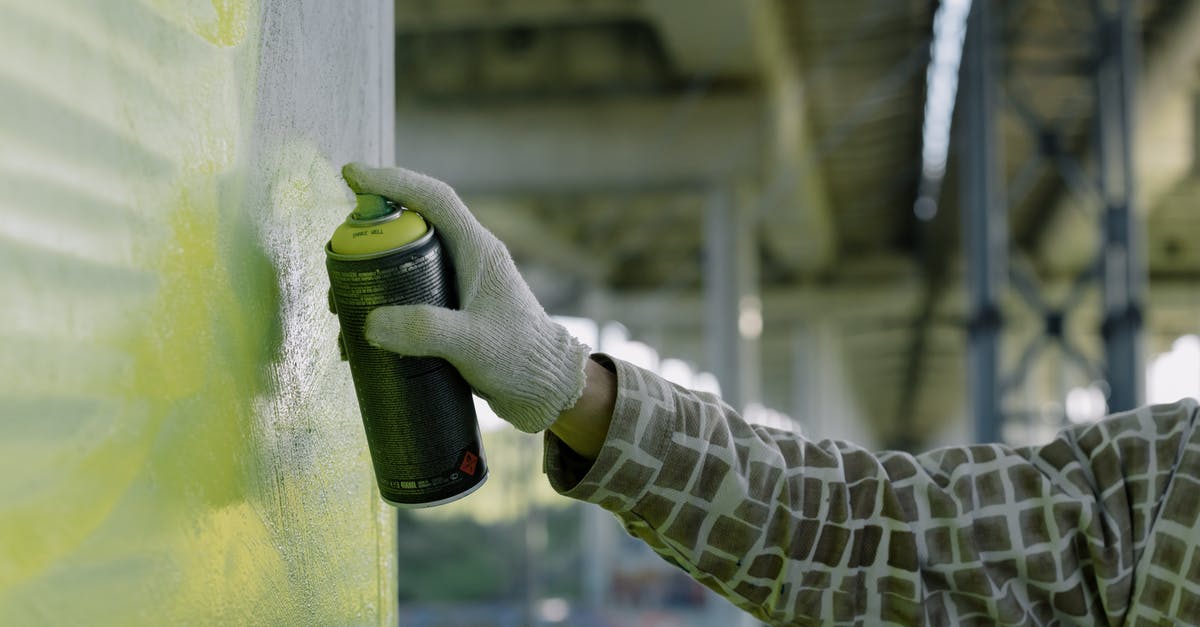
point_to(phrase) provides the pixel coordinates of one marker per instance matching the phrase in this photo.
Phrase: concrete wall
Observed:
(178, 441)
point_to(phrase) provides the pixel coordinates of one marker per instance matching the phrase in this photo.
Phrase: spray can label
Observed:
(417, 412)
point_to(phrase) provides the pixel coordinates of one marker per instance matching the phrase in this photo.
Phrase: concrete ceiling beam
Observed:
(691, 141)
(700, 38)
(707, 38)
(780, 307)
(794, 206)
(852, 303)
(600, 146)
(423, 15)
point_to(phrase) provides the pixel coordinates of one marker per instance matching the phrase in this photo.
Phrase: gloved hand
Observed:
(527, 367)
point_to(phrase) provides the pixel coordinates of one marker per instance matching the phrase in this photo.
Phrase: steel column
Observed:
(721, 293)
(731, 295)
(985, 221)
(1119, 269)
(1122, 266)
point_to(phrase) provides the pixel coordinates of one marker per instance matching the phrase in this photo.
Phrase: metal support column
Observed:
(596, 536)
(1122, 265)
(985, 222)
(733, 310)
(1105, 183)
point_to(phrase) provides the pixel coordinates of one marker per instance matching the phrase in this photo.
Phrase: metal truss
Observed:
(1105, 57)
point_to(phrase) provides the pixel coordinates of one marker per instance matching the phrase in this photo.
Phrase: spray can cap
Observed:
(376, 226)
(371, 206)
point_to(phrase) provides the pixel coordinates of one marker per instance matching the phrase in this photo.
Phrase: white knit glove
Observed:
(527, 367)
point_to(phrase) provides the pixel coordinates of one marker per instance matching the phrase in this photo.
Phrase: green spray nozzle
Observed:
(371, 206)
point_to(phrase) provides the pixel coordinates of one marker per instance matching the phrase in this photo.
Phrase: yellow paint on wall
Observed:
(177, 443)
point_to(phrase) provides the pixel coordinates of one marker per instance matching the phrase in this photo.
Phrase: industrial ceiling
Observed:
(592, 136)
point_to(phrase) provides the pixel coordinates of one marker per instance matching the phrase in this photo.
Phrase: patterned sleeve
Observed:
(1096, 527)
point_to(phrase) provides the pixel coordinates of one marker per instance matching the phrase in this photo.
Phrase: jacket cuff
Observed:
(638, 439)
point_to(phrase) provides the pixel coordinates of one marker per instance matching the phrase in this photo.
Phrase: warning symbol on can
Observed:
(468, 463)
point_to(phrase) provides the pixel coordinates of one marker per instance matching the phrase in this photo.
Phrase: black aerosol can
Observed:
(417, 411)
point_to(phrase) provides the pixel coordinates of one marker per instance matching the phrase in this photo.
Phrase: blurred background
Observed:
(905, 223)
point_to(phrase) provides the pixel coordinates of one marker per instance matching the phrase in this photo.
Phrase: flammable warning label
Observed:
(469, 462)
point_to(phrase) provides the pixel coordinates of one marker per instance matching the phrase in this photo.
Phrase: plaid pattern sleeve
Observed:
(1097, 527)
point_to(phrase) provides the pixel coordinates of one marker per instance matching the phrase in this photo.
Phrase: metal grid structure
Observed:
(1106, 62)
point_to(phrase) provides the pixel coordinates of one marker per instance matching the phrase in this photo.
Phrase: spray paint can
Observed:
(417, 411)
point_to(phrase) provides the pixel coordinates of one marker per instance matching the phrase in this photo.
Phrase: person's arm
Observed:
(584, 426)
(1097, 526)
(801, 532)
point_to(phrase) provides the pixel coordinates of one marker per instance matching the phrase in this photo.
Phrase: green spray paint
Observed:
(172, 445)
